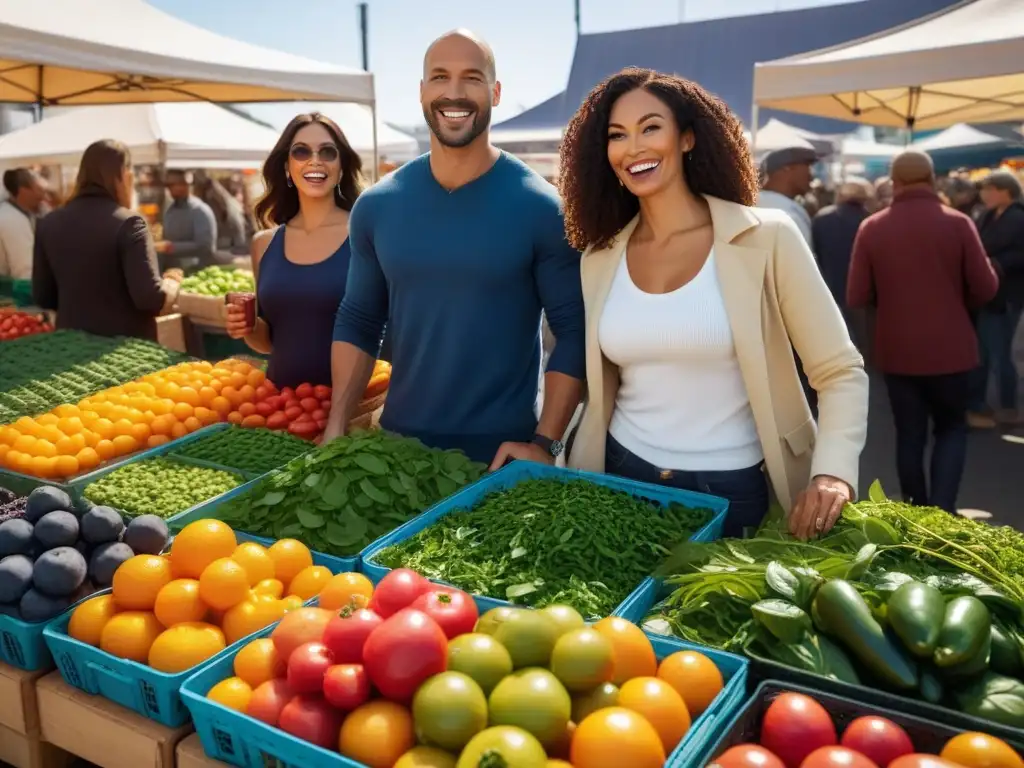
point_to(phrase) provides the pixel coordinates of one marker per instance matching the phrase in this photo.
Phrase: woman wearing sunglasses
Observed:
(312, 179)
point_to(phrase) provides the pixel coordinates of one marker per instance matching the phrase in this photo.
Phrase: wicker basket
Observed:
(368, 412)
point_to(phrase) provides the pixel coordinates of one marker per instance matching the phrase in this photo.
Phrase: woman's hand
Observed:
(818, 507)
(175, 275)
(235, 324)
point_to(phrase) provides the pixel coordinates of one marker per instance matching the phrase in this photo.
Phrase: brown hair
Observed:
(597, 207)
(102, 167)
(280, 203)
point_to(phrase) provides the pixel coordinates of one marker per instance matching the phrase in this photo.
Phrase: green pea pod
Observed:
(915, 612)
(966, 626)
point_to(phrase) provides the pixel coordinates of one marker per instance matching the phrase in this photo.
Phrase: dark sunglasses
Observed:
(302, 154)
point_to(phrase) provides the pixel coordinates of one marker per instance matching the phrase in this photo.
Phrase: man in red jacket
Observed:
(922, 265)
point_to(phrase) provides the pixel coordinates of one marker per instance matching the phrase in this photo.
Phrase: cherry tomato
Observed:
(264, 409)
(396, 591)
(746, 756)
(878, 739)
(979, 750)
(836, 757)
(293, 412)
(917, 760)
(277, 420)
(346, 686)
(453, 610)
(304, 390)
(346, 634)
(404, 651)
(321, 392)
(795, 726)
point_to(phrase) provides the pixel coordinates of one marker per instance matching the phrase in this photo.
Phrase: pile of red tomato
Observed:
(301, 411)
(15, 324)
(798, 732)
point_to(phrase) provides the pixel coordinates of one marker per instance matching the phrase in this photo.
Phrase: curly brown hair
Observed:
(597, 207)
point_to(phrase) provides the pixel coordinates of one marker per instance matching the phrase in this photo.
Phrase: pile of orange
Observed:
(141, 414)
(177, 610)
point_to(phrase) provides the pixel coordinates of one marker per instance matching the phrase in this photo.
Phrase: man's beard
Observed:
(481, 122)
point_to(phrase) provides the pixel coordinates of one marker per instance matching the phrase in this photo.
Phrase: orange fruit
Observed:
(69, 446)
(292, 602)
(377, 734)
(271, 587)
(247, 393)
(162, 406)
(251, 616)
(634, 654)
(129, 635)
(65, 466)
(179, 603)
(88, 459)
(125, 444)
(123, 427)
(255, 560)
(614, 737)
(104, 428)
(659, 704)
(178, 430)
(45, 448)
(141, 432)
(237, 379)
(200, 543)
(189, 396)
(309, 581)
(192, 424)
(258, 661)
(25, 444)
(343, 589)
(161, 425)
(181, 411)
(232, 693)
(221, 405)
(206, 416)
(235, 418)
(694, 676)
(105, 449)
(255, 420)
(155, 441)
(223, 584)
(247, 409)
(138, 580)
(290, 556)
(979, 750)
(89, 619)
(185, 645)
(43, 467)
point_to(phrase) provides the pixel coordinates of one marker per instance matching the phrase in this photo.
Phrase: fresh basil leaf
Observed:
(785, 621)
(309, 519)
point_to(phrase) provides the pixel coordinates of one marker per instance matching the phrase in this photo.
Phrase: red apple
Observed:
(307, 666)
(268, 700)
(346, 686)
(312, 719)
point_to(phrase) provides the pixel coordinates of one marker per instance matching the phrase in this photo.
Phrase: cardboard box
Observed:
(170, 332)
(191, 754)
(19, 712)
(23, 751)
(205, 310)
(101, 732)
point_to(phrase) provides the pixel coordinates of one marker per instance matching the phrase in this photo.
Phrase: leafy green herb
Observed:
(249, 450)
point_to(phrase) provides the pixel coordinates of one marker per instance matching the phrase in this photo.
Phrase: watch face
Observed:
(556, 448)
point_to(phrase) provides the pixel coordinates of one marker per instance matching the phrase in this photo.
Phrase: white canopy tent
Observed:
(958, 136)
(181, 135)
(68, 52)
(963, 64)
(776, 134)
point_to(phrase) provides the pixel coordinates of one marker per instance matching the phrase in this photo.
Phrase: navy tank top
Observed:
(298, 303)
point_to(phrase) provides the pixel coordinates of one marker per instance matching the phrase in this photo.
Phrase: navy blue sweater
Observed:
(460, 279)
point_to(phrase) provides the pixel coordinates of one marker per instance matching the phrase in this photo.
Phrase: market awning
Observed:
(69, 52)
(964, 64)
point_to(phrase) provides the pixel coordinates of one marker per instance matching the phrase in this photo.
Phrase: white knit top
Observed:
(682, 403)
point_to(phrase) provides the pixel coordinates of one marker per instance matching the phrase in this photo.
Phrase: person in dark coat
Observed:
(94, 261)
(1001, 227)
(832, 234)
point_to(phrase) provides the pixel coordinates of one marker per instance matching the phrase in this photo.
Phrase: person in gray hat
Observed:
(787, 176)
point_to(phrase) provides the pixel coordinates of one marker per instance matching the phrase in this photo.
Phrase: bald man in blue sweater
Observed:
(458, 253)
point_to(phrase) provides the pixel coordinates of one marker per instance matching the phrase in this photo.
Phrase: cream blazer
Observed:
(776, 300)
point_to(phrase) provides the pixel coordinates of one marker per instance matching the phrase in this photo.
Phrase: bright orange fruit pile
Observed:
(121, 420)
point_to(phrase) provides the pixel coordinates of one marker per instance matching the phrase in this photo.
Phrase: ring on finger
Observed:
(819, 524)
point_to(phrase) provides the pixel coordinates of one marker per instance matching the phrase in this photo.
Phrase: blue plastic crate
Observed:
(22, 644)
(242, 741)
(137, 687)
(209, 509)
(518, 471)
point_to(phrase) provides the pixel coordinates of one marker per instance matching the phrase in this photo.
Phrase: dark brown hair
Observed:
(597, 207)
(102, 168)
(280, 203)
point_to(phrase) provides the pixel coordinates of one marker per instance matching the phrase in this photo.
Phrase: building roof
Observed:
(720, 54)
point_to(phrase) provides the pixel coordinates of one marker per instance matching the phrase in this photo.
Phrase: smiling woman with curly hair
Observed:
(695, 302)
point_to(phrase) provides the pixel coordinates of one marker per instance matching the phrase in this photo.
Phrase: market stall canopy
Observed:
(964, 64)
(958, 136)
(355, 120)
(966, 146)
(776, 134)
(69, 52)
(188, 135)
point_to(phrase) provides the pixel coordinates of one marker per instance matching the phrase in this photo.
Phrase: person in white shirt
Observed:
(26, 191)
(787, 174)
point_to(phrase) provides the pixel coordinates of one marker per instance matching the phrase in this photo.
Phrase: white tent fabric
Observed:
(198, 135)
(776, 134)
(858, 149)
(126, 51)
(958, 136)
(963, 64)
(354, 119)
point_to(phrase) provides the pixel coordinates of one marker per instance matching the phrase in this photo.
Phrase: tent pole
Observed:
(753, 128)
(376, 157)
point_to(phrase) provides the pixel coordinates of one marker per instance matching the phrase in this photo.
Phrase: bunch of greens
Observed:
(249, 450)
(545, 541)
(341, 497)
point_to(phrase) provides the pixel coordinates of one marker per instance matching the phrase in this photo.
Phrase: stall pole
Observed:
(376, 156)
(753, 128)
(364, 35)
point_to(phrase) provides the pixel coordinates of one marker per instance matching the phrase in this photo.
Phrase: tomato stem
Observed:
(492, 758)
(444, 598)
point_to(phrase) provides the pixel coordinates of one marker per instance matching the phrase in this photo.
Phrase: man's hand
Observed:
(818, 507)
(332, 431)
(524, 451)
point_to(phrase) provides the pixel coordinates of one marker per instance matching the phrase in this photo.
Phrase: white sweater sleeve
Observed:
(16, 240)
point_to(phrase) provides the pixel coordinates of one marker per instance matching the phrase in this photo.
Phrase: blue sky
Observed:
(533, 39)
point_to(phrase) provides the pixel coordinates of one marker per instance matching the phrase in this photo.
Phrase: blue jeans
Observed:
(995, 345)
(745, 489)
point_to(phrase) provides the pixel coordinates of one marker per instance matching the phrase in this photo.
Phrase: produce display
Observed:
(546, 541)
(58, 552)
(122, 420)
(160, 486)
(11, 505)
(797, 731)
(176, 610)
(15, 324)
(905, 599)
(249, 450)
(342, 496)
(40, 372)
(416, 678)
(218, 281)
